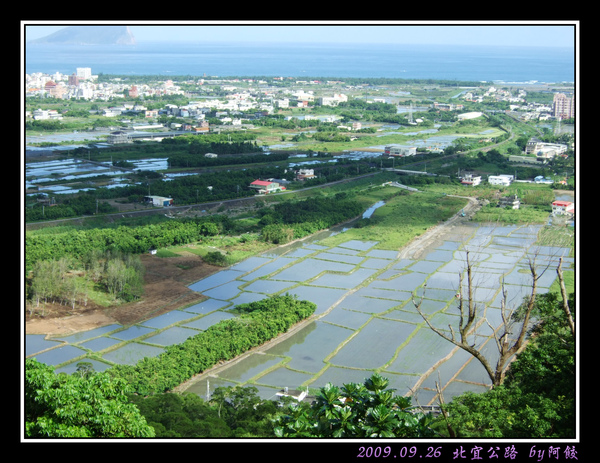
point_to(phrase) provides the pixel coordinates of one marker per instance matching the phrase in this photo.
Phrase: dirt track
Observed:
(421, 244)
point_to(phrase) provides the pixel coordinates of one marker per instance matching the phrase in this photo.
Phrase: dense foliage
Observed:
(355, 411)
(304, 217)
(257, 323)
(230, 143)
(296, 219)
(77, 244)
(71, 206)
(365, 410)
(79, 405)
(231, 413)
(190, 160)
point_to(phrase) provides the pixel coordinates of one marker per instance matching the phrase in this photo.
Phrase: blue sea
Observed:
(361, 60)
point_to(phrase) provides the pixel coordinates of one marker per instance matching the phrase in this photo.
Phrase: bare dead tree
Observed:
(563, 292)
(470, 319)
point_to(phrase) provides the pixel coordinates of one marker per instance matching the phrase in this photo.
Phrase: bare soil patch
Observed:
(165, 289)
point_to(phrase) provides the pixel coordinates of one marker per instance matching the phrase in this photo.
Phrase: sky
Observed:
(554, 34)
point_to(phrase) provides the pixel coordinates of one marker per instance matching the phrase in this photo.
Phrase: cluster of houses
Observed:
(538, 152)
(262, 98)
(562, 106)
(559, 207)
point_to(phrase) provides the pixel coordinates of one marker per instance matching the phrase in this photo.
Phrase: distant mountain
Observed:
(90, 35)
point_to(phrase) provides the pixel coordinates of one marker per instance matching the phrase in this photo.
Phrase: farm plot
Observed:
(374, 345)
(365, 319)
(367, 295)
(117, 344)
(307, 349)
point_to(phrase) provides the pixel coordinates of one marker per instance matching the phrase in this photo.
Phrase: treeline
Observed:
(192, 189)
(296, 219)
(85, 404)
(71, 206)
(231, 413)
(331, 136)
(210, 187)
(78, 244)
(200, 144)
(257, 323)
(303, 217)
(292, 79)
(187, 160)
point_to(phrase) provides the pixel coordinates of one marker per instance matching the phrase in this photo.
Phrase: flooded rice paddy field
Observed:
(365, 320)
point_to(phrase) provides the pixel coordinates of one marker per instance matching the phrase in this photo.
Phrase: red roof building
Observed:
(563, 207)
(265, 187)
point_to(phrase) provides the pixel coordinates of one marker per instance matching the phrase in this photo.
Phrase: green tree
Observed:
(81, 405)
(243, 410)
(181, 416)
(123, 277)
(354, 410)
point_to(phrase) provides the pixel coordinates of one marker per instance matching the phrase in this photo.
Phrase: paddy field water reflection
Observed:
(365, 319)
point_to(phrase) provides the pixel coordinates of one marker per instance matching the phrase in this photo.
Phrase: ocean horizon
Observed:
(352, 60)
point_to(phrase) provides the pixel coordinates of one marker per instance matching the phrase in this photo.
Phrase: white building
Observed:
(471, 115)
(159, 200)
(504, 180)
(42, 114)
(84, 73)
(264, 187)
(471, 180)
(543, 150)
(511, 202)
(563, 208)
(400, 150)
(333, 100)
(282, 103)
(305, 174)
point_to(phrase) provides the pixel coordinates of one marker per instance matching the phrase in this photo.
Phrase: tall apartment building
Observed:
(84, 73)
(74, 80)
(563, 107)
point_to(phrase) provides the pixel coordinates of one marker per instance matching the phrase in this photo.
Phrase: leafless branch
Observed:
(469, 321)
(565, 299)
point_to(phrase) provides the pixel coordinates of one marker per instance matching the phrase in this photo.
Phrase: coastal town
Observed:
(237, 96)
(223, 105)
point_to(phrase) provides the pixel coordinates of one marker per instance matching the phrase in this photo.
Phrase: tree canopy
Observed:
(85, 405)
(355, 411)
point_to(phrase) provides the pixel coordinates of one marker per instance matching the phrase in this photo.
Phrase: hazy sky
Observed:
(556, 34)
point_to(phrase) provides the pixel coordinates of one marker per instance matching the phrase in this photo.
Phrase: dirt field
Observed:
(166, 281)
